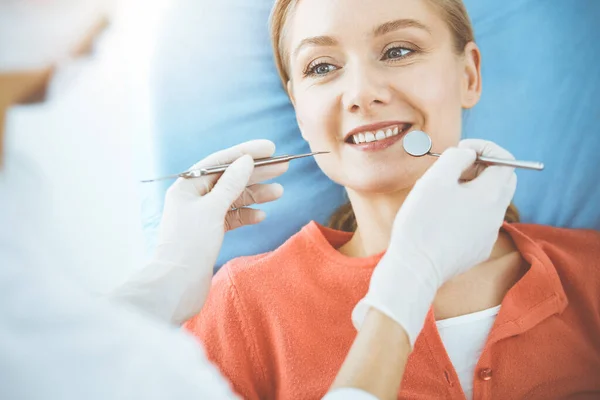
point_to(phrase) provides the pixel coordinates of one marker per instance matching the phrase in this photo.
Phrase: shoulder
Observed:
(585, 240)
(279, 265)
(577, 243)
(247, 287)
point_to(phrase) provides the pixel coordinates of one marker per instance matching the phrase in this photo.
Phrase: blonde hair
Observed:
(453, 12)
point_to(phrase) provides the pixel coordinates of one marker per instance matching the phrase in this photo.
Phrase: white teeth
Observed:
(368, 137)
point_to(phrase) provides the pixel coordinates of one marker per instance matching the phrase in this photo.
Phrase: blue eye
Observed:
(396, 53)
(320, 69)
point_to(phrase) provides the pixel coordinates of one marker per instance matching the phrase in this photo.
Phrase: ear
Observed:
(290, 92)
(472, 76)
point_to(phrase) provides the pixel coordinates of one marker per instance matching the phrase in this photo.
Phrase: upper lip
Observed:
(375, 127)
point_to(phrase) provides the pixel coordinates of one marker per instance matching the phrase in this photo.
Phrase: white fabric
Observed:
(444, 228)
(464, 338)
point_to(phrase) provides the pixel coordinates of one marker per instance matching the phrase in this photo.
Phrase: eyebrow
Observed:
(397, 25)
(315, 41)
(381, 30)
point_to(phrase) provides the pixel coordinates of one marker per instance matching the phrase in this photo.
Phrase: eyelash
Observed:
(311, 68)
(411, 51)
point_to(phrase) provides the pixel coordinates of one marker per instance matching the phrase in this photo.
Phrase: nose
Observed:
(366, 91)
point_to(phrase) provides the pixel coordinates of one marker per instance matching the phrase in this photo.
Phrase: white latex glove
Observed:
(197, 213)
(445, 227)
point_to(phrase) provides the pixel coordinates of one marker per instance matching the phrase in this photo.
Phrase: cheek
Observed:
(438, 91)
(316, 117)
(319, 119)
(435, 92)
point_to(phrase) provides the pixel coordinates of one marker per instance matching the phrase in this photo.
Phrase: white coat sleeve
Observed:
(59, 342)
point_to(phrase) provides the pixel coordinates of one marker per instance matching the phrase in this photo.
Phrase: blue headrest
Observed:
(216, 85)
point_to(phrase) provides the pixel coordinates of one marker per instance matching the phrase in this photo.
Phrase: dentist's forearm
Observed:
(161, 290)
(377, 359)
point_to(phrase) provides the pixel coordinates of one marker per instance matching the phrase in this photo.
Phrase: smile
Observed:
(373, 135)
(377, 136)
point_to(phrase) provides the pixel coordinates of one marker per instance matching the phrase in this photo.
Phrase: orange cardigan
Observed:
(278, 324)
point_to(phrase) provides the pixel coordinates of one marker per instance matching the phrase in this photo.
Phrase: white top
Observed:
(349, 394)
(464, 338)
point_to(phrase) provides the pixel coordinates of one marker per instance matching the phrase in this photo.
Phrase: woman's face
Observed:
(362, 73)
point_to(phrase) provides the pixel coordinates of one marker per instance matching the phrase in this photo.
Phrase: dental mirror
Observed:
(418, 144)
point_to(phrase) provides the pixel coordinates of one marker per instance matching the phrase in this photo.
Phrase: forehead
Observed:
(351, 17)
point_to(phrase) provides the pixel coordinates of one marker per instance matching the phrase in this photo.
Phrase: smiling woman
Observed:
(355, 73)
(360, 76)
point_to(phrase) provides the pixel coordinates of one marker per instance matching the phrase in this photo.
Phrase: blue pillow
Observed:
(541, 85)
(215, 85)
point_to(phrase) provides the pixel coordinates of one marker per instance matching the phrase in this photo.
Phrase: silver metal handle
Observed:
(257, 163)
(534, 165)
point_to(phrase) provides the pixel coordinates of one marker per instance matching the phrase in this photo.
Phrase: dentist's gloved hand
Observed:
(197, 213)
(445, 227)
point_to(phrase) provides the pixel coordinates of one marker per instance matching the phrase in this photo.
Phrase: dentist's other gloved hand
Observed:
(445, 227)
(197, 213)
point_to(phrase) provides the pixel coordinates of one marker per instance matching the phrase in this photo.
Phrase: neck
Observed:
(375, 214)
(20, 88)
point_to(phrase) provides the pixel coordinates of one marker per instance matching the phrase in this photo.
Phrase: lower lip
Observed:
(378, 145)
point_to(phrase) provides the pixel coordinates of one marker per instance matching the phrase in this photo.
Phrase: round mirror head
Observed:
(416, 143)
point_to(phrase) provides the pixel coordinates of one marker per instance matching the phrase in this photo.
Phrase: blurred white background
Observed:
(90, 136)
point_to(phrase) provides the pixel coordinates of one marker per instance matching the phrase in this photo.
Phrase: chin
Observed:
(384, 180)
(381, 186)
